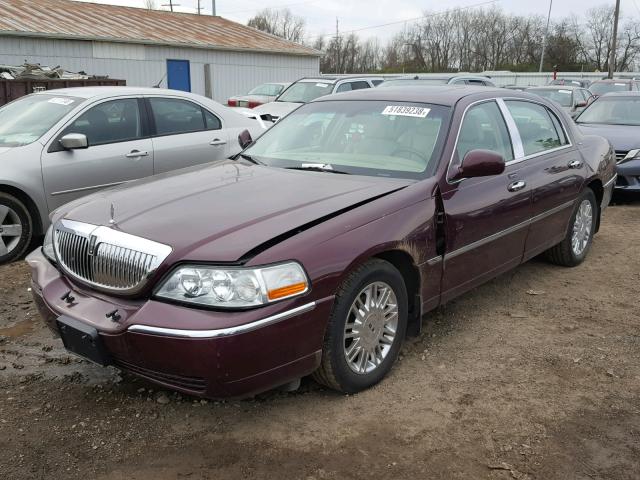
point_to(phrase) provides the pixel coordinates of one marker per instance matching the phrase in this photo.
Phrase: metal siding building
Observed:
(225, 58)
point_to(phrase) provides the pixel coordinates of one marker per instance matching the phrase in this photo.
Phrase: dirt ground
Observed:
(535, 375)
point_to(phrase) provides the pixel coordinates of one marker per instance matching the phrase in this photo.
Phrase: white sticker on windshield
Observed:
(568, 92)
(405, 111)
(620, 84)
(323, 85)
(61, 101)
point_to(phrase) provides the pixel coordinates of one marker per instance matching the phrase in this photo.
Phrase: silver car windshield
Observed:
(377, 138)
(25, 120)
(303, 92)
(613, 111)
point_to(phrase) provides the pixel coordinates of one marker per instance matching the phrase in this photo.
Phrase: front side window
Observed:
(537, 130)
(612, 111)
(24, 121)
(484, 128)
(391, 139)
(173, 116)
(109, 122)
(303, 92)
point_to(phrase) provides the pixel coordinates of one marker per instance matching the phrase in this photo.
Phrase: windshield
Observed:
(600, 88)
(270, 89)
(378, 138)
(613, 111)
(560, 96)
(413, 81)
(24, 121)
(303, 92)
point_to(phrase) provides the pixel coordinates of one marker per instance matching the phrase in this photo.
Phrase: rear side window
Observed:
(359, 85)
(376, 82)
(173, 116)
(109, 122)
(483, 127)
(476, 82)
(536, 126)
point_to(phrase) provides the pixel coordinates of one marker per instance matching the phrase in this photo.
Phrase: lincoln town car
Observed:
(322, 245)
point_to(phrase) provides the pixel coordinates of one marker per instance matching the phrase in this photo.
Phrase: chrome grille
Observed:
(620, 155)
(106, 258)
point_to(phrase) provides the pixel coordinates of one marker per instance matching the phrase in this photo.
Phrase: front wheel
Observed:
(366, 328)
(575, 246)
(16, 228)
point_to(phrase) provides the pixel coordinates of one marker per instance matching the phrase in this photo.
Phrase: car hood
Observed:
(622, 137)
(229, 208)
(277, 109)
(6, 149)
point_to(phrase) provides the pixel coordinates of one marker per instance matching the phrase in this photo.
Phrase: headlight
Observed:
(234, 287)
(47, 245)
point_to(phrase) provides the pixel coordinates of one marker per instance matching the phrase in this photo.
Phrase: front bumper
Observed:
(628, 176)
(200, 352)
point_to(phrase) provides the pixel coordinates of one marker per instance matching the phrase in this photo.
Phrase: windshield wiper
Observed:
(250, 158)
(318, 167)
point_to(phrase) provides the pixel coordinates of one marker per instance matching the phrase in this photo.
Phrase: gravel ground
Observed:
(535, 375)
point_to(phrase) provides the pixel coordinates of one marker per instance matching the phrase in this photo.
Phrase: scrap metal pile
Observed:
(35, 71)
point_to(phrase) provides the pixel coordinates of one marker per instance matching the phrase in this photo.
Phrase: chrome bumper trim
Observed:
(613, 179)
(223, 332)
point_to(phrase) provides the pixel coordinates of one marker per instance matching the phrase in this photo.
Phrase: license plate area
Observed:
(83, 340)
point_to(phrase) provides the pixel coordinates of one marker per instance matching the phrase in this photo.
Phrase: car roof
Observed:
(621, 94)
(613, 80)
(332, 79)
(557, 87)
(446, 76)
(446, 95)
(105, 92)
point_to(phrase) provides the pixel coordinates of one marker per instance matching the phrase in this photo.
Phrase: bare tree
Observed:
(150, 4)
(282, 23)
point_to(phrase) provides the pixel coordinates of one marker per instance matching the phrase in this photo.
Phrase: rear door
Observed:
(119, 151)
(554, 169)
(485, 218)
(185, 134)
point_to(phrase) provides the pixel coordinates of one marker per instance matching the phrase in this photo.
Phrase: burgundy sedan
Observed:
(321, 246)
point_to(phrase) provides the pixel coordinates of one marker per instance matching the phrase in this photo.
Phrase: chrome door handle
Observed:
(136, 154)
(217, 141)
(515, 186)
(575, 164)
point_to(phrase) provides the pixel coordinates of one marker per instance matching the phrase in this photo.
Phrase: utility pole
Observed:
(199, 8)
(337, 46)
(170, 5)
(544, 39)
(213, 7)
(614, 40)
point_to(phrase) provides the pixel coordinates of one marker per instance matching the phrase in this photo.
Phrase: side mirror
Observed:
(480, 163)
(581, 104)
(74, 141)
(244, 139)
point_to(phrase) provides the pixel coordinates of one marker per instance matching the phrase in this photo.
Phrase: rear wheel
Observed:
(574, 248)
(366, 328)
(16, 228)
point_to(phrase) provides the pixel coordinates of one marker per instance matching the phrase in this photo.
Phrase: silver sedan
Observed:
(59, 145)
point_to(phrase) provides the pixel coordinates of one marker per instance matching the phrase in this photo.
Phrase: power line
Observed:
(267, 6)
(430, 15)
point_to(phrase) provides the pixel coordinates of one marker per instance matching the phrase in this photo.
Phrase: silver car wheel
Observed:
(371, 326)
(582, 228)
(10, 230)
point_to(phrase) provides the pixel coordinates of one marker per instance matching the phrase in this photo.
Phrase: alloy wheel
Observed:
(582, 228)
(371, 326)
(10, 230)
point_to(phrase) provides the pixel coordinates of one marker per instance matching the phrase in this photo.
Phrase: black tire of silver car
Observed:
(371, 308)
(16, 228)
(575, 246)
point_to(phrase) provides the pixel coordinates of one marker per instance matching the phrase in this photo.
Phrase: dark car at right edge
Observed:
(323, 244)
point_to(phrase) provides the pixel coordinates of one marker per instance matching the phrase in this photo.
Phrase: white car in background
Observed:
(58, 145)
(265, 93)
(307, 89)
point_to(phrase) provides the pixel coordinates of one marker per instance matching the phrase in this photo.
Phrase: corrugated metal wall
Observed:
(143, 65)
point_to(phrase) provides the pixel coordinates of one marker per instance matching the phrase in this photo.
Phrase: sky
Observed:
(320, 15)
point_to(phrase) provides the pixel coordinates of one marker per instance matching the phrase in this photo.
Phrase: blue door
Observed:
(178, 75)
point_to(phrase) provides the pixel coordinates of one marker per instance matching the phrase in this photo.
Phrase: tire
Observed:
(564, 253)
(335, 370)
(16, 228)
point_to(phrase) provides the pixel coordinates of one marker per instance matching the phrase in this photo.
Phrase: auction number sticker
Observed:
(568, 92)
(61, 101)
(323, 85)
(405, 111)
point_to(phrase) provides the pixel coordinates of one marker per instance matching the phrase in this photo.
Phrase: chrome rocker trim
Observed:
(223, 332)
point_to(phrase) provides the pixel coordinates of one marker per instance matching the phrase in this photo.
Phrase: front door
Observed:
(485, 218)
(179, 75)
(118, 152)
